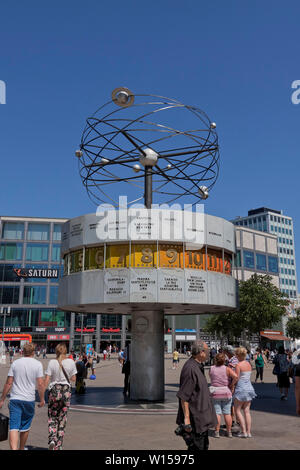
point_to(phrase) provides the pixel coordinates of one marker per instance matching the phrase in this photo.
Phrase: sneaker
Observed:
(229, 434)
(217, 434)
(285, 398)
(282, 397)
(249, 435)
(241, 434)
(51, 445)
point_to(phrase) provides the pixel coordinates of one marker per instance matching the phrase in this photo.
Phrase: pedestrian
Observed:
(175, 359)
(296, 363)
(126, 369)
(213, 353)
(281, 367)
(59, 375)
(260, 362)
(11, 355)
(243, 393)
(121, 357)
(196, 414)
(80, 383)
(23, 376)
(94, 362)
(221, 393)
(231, 362)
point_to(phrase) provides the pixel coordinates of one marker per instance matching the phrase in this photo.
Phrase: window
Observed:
(37, 252)
(271, 217)
(38, 232)
(13, 231)
(35, 295)
(248, 259)
(273, 264)
(11, 251)
(261, 262)
(9, 295)
(238, 259)
(56, 232)
(55, 253)
(53, 295)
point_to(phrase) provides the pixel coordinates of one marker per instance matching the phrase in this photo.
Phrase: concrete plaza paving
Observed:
(103, 420)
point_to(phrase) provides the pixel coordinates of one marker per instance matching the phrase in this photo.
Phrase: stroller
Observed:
(80, 376)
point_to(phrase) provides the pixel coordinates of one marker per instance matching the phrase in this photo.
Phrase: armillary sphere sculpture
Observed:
(136, 140)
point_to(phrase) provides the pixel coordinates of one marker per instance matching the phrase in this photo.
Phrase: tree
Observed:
(227, 325)
(262, 305)
(293, 326)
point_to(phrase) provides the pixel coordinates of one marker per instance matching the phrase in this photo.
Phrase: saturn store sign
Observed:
(36, 273)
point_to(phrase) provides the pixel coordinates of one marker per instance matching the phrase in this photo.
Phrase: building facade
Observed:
(276, 223)
(256, 253)
(30, 269)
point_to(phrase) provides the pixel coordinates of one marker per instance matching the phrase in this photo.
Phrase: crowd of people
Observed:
(231, 389)
(202, 404)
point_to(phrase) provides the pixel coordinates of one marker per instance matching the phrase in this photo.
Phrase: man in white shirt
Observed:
(23, 377)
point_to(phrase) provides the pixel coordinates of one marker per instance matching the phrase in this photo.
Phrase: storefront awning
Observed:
(276, 337)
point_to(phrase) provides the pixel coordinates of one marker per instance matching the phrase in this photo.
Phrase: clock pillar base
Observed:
(147, 375)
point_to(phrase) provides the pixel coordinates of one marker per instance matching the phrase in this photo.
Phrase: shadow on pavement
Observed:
(268, 399)
(112, 397)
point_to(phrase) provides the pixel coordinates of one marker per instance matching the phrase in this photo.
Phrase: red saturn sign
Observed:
(111, 330)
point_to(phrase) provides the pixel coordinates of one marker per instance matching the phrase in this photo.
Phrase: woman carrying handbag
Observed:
(59, 375)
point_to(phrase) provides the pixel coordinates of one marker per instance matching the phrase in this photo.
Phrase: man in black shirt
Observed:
(196, 412)
(297, 388)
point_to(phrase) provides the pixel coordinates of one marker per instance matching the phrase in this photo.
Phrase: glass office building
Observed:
(30, 268)
(276, 223)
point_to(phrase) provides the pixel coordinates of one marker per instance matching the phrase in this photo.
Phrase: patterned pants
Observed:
(58, 405)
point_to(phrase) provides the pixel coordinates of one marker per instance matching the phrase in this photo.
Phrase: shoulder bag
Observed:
(65, 374)
(3, 427)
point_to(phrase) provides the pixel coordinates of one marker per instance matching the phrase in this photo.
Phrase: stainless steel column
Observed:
(147, 377)
(72, 331)
(98, 333)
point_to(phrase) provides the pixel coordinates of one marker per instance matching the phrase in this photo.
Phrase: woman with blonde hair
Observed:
(243, 393)
(59, 375)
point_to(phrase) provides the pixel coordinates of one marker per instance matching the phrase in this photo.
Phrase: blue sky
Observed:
(235, 60)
